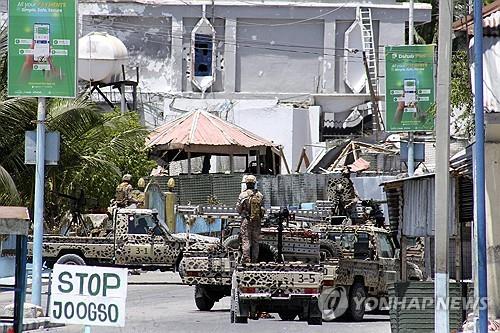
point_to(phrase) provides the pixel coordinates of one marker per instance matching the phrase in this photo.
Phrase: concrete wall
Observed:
(265, 49)
(263, 55)
(492, 175)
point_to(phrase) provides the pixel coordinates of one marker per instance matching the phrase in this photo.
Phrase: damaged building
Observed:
(290, 72)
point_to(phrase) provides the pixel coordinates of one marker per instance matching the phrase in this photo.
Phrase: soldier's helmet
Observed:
(250, 179)
(171, 183)
(127, 177)
(141, 183)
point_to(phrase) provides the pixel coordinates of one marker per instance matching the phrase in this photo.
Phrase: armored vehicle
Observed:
(131, 238)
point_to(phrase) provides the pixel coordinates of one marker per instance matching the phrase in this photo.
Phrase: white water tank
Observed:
(100, 57)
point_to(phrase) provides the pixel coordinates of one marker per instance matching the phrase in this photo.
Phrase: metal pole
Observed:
(36, 287)
(442, 179)
(479, 167)
(123, 106)
(411, 150)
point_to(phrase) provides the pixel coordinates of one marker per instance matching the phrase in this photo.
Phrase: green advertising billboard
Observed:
(409, 88)
(42, 48)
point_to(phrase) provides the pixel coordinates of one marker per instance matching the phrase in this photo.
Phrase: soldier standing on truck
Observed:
(249, 206)
(123, 197)
(138, 194)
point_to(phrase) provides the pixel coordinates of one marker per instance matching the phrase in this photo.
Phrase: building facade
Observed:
(285, 70)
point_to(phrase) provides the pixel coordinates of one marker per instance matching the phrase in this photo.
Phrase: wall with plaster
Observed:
(492, 174)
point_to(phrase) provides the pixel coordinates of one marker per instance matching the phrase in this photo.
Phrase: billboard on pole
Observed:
(42, 48)
(409, 88)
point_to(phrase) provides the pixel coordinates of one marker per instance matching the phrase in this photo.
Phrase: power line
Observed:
(132, 28)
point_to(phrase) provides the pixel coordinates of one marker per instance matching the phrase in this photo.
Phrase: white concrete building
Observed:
(286, 70)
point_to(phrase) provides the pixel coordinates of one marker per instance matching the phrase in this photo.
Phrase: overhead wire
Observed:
(281, 47)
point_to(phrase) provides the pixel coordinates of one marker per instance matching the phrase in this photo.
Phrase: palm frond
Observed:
(9, 194)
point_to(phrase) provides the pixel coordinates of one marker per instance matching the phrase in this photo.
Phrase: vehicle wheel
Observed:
(203, 302)
(71, 259)
(314, 320)
(240, 320)
(232, 242)
(356, 310)
(287, 315)
(267, 253)
(329, 249)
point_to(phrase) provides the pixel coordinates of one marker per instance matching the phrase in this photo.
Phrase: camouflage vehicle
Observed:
(209, 268)
(368, 263)
(130, 238)
(290, 289)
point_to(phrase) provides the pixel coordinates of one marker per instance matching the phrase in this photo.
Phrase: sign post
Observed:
(409, 88)
(89, 296)
(41, 63)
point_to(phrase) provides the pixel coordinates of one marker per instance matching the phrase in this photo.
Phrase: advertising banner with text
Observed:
(409, 88)
(42, 48)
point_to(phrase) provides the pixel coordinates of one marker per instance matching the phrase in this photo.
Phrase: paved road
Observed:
(171, 308)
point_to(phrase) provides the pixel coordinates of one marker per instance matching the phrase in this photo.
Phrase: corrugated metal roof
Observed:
(491, 21)
(200, 131)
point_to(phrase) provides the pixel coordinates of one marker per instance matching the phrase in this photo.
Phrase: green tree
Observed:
(96, 147)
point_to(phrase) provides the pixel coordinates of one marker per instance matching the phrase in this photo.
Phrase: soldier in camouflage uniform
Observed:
(123, 196)
(249, 206)
(138, 194)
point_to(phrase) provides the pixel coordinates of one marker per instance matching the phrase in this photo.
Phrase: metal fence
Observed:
(280, 190)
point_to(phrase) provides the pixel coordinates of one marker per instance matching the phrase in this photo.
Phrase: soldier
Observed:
(138, 194)
(123, 197)
(249, 206)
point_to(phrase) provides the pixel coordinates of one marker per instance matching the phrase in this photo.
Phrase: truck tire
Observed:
(232, 242)
(315, 320)
(315, 314)
(330, 249)
(267, 253)
(71, 259)
(287, 315)
(240, 320)
(356, 311)
(203, 302)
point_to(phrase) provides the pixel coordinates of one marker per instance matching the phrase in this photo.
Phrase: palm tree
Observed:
(96, 147)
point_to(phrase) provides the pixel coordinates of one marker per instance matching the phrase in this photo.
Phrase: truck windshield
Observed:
(141, 224)
(347, 239)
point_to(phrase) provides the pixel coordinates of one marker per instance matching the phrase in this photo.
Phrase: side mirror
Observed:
(397, 254)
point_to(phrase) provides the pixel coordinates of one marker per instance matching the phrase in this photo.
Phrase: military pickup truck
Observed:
(131, 238)
(209, 268)
(368, 263)
(290, 289)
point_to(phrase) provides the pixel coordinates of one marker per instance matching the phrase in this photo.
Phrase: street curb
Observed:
(32, 324)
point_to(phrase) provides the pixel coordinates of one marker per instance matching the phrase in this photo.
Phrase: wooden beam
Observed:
(284, 160)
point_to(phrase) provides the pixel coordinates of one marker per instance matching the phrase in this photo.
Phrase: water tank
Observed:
(100, 57)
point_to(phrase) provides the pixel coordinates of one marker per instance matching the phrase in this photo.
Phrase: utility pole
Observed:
(36, 290)
(442, 178)
(411, 150)
(478, 167)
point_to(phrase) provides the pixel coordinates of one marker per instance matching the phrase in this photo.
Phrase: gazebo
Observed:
(200, 133)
